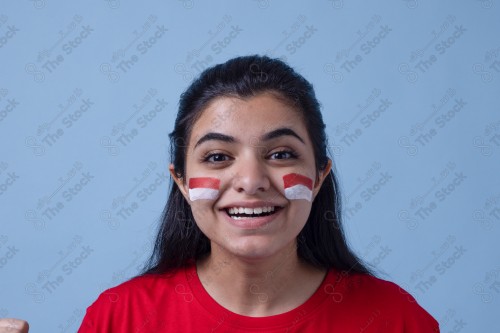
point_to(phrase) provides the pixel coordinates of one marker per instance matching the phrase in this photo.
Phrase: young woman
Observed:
(251, 237)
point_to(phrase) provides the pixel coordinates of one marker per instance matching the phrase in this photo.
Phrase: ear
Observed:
(321, 177)
(181, 184)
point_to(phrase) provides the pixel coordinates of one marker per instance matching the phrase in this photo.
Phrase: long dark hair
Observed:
(322, 241)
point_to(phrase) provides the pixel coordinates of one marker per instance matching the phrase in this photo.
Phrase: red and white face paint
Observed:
(203, 188)
(297, 187)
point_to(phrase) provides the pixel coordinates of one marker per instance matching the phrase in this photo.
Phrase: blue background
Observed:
(409, 91)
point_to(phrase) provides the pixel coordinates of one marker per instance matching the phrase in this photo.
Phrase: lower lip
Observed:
(253, 222)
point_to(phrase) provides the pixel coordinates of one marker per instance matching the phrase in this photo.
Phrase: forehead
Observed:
(251, 116)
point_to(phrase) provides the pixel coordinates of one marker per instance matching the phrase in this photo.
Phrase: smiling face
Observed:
(244, 152)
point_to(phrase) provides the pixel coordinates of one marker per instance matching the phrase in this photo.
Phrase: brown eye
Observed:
(216, 158)
(283, 155)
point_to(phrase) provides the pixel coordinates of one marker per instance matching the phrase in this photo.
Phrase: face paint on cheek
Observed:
(203, 188)
(297, 187)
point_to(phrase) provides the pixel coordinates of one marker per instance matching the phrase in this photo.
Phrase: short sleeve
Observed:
(99, 315)
(87, 323)
(416, 318)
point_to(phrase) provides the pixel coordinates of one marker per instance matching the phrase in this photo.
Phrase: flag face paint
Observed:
(203, 188)
(297, 187)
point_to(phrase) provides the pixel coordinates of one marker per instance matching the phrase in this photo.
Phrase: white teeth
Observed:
(250, 211)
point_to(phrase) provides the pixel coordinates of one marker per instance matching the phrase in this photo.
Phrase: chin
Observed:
(256, 247)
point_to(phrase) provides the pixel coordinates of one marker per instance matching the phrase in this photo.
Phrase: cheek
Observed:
(202, 211)
(204, 188)
(203, 191)
(297, 187)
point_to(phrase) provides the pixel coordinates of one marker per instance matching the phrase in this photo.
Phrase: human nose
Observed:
(251, 176)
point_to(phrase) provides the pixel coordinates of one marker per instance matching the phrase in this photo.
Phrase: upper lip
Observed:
(251, 204)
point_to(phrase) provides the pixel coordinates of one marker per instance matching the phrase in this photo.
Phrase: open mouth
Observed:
(240, 213)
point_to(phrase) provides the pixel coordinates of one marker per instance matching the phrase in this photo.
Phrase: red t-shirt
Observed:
(177, 302)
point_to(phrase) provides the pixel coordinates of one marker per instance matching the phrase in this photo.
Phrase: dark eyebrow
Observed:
(281, 132)
(215, 136)
(266, 137)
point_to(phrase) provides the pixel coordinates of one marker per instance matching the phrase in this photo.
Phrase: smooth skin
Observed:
(11, 325)
(253, 271)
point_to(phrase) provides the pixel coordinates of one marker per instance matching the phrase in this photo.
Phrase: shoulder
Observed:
(383, 301)
(374, 288)
(145, 287)
(138, 300)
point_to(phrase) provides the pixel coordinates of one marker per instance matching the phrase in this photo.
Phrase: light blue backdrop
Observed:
(410, 92)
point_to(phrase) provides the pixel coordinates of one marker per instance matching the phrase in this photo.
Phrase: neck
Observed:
(260, 287)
